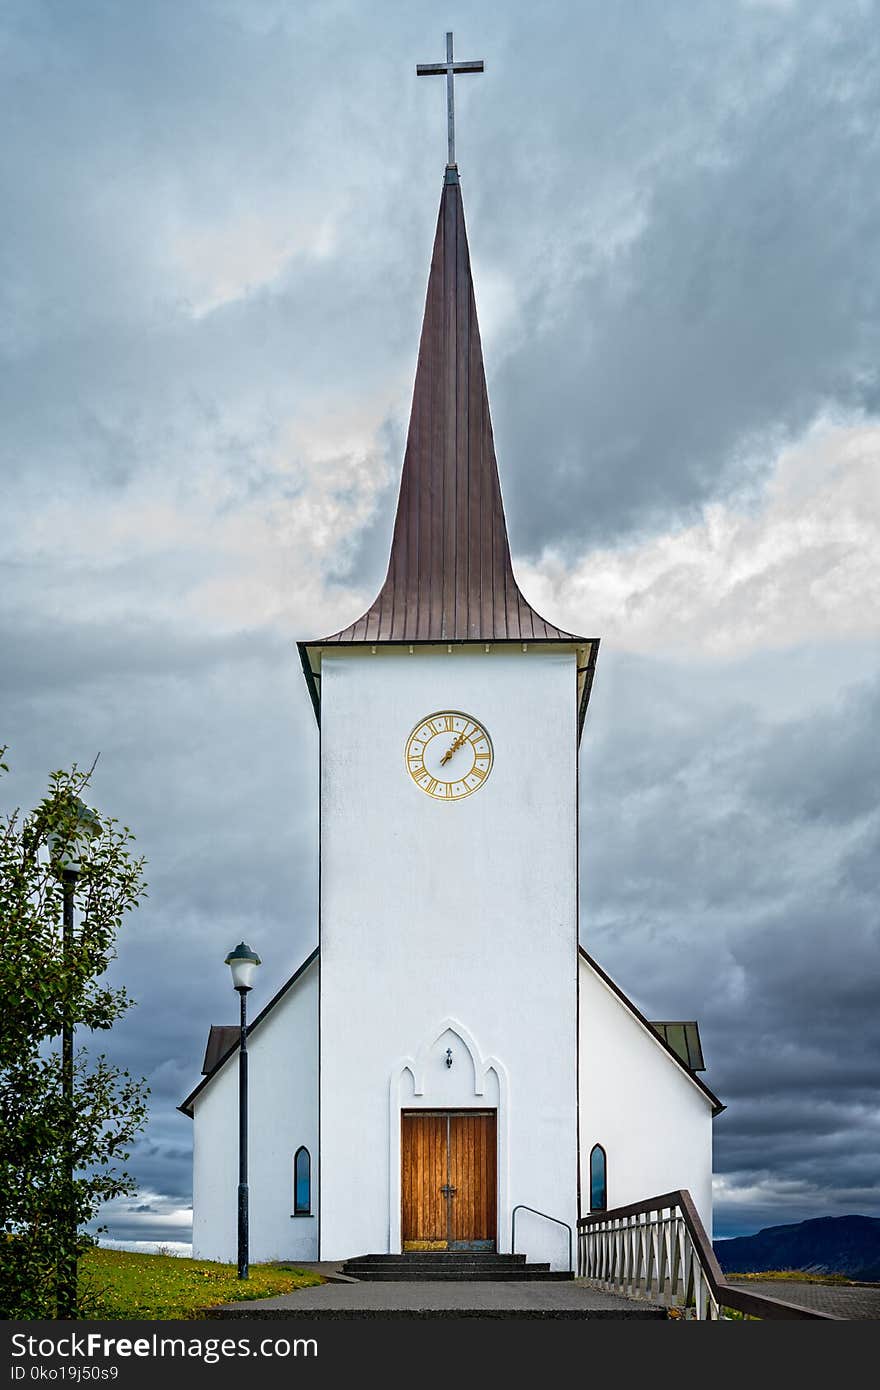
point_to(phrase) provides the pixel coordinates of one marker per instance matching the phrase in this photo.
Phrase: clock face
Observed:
(449, 755)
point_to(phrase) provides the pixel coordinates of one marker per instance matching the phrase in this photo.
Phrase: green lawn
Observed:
(795, 1276)
(119, 1284)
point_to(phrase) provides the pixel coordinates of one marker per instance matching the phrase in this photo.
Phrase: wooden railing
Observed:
(659, 1250)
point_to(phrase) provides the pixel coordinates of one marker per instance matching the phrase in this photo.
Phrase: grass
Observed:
(796, 1276)
(121, 1284)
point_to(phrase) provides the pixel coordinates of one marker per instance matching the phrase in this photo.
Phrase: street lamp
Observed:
(243, 963)
(64, 854)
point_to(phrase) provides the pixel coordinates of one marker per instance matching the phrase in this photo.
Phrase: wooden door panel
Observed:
(472, 1174)
(448, 1147)
(423, 1173)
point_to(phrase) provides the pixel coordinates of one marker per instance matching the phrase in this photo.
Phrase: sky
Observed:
(217, 226)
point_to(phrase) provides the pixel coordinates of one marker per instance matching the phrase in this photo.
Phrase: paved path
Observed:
(861, 1301)
(446, 1298)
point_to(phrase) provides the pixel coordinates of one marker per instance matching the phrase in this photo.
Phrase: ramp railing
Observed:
(659, 1250)
(521, 1206)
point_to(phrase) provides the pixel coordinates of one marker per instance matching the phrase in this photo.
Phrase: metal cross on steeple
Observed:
(449, 68)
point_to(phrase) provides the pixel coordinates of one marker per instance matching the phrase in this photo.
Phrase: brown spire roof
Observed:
(449, 574)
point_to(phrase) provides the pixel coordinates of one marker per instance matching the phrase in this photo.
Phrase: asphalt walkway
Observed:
(858, 1302)
(446, 1298)
(343, 1297)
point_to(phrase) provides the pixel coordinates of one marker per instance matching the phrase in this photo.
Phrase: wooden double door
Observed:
(448, 1179)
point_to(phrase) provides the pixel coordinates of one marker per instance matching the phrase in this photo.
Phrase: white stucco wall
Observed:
(447, 925)
(653, 1122)
(283, 1114)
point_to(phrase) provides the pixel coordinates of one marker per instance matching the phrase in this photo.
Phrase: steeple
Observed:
(450, 577)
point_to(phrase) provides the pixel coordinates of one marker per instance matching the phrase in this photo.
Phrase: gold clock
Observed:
(449, 755)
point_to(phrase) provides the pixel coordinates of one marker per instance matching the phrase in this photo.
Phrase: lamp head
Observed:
(242, 962)
(85, 824)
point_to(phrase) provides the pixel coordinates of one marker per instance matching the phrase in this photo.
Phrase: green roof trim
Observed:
(684, 1039)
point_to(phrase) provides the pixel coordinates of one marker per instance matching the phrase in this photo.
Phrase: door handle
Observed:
(447, 1190)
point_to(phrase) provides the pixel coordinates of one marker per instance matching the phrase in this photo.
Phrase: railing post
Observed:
(651, 1259)
(699, 1290)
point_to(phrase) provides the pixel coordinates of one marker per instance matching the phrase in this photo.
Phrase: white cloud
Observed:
(146, 1219)
(221, 262)
(217, 550)
(797, 567)
(149, 1247)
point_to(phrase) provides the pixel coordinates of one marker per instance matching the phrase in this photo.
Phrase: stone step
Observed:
(484, 1266)
(438, 1268)
(441, 1257)
(473, 1276)
(407, 1269)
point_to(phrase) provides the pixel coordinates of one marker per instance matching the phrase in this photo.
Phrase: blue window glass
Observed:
(302, 1182)
(598, 1179)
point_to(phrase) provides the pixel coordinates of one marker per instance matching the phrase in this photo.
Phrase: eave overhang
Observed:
(586, 650)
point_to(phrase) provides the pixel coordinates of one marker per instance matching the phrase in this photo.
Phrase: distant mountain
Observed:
(827, 1245)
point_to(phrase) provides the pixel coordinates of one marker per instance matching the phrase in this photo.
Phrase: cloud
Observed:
(156, 1221)
(718, 844)
(793, 565)
(707, 290)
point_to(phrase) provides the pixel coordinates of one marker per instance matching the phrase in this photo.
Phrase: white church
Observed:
(448, 1051)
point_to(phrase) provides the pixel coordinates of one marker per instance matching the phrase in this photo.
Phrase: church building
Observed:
(448, 1051)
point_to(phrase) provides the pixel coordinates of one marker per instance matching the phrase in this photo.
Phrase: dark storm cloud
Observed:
(745, 302)
(88, 653)
(828, 771)
(683, 213)
(717, 884)
(141, 138)
(208, 752)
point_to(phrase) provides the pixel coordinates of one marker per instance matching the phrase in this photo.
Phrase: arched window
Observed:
(598, 1179)
(302, 1183)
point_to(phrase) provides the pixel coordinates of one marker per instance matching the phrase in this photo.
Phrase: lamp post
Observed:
(243, 962)
(64, 851)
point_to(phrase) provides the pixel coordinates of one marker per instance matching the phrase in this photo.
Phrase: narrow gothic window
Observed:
(302, 1183)
(598, 1179)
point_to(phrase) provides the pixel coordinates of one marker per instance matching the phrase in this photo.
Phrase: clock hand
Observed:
(462, 738)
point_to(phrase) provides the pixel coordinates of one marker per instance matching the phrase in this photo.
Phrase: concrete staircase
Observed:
(434, 1265)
